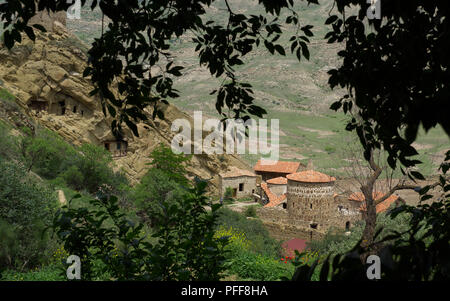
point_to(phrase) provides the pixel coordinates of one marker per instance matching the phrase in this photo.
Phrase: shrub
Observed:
(92, 170)
(254, 230)
(156, 186)
(172, 164)
(46, 153)
(87, 167)
(8, 143)
(236, 240)
(26, 209)
(228, 195)
(244, 262)
(250, 211)
(249, 265)
(185, 250)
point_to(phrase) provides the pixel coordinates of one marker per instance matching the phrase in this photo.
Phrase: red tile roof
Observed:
(277, 166)
(381, 207)
(278, 181)
(274, 199)
(310, 176)
(236, 172)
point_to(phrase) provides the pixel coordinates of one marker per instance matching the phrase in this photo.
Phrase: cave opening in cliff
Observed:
(62, 105)
(38, 105)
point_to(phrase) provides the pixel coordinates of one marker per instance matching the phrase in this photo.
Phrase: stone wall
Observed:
(278, 189)
(280, 226)
(310, 203)
(249, 185)
(311, 210)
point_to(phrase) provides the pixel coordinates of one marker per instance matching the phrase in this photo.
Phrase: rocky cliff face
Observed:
(46, 78)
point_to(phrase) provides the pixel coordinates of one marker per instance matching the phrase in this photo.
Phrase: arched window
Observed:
(347, 226)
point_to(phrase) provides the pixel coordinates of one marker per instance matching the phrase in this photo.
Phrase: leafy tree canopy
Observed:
(396, 72)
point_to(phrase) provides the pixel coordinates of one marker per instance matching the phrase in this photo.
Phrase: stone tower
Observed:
(310, 199)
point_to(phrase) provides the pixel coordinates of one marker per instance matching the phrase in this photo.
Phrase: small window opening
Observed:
(241, 186)
(347, 226)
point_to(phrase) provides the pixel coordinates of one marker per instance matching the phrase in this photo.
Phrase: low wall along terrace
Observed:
(281, 227)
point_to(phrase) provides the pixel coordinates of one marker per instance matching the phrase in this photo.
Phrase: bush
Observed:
(250, 211)
(165, 182)
(83, 168)
(26, 209)
(185, 250)
(92, 170)
(254, 230)
(244, 262)
(156, 186)
(47, 154)
(228, 195)
(249, 265)
(172, 164)
(8, 144)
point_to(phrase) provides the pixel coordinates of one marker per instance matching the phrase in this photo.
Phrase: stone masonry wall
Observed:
(277, 222)
(277, 188)
(249, 185)
(310, 202)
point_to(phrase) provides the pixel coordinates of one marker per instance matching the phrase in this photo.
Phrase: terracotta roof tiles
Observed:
(310, 176)
(274, 199)
(278, 181)
(381, 207)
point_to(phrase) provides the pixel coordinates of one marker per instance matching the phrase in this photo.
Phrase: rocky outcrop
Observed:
(46, 78)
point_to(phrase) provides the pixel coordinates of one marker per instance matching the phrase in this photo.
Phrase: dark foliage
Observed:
(185, 247)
